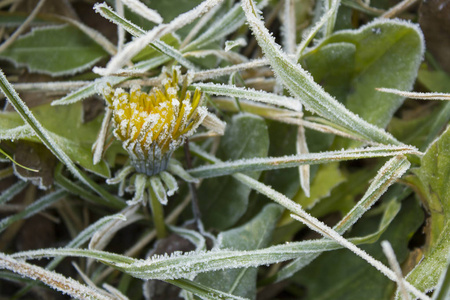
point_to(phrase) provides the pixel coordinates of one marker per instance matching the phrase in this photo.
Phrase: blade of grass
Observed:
(12, 191)
(33, 208)
(224, 26)
(272, 163)
(250, 94)
(56, 281)
(136, 31)
(132, 48)
(416, 95)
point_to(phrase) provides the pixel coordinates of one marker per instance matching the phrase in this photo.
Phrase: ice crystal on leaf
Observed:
(152, 125)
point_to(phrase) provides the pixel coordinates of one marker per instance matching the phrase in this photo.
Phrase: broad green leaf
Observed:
(433, 186)
(255, 234)
(341, 275)
(79, 240)
(328, 176)
(387, 54)
(75, 138)
(44, 136)
(426, 274)
(56, 51)
(224, 200)
(434, 174)
(282, 142)
(302, 85)
(335, 80)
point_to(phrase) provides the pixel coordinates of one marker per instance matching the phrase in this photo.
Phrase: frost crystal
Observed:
(152, 125)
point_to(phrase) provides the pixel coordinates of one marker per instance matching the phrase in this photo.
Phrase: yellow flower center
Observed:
(154, 124)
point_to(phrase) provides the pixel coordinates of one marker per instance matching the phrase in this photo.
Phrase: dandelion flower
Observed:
(152, 125)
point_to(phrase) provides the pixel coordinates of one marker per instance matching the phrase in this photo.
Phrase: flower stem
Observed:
(158, 215)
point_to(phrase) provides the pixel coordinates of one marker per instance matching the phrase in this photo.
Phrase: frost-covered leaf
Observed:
(75, 138)
(271, 163)
(55, 50)
(302, 85)
(46, 138)
(56, 281)
(245, 93)
(254, 234)
(336, 80)
(224, 200)
(188, 264)
(385, 54)
(433, 183)
(87, 91)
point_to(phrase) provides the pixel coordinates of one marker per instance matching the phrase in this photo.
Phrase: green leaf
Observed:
(341, 275)
(336, 80)
(433, 185)
(271, 163)
(302, 85)
(75, 138)
(255, 234)
(224, 200)
(56, 51)
(387, 54)
(443, 290)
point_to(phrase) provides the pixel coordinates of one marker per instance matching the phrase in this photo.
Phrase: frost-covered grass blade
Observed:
(272, 163)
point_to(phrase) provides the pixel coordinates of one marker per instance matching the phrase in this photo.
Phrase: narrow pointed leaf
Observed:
(272, 163)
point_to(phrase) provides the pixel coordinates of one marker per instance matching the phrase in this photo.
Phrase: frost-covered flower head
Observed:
(152, 125)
